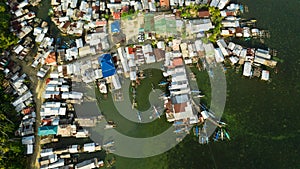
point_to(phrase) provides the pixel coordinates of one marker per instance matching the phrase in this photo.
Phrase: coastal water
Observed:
(263, 117)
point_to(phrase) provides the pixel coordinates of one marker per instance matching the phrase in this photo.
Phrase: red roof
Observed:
(131, 50)
(117, 15)
(48, 80)
(51, 59)
(230, 13)
(177, 62)
(101, 23)
(26, 111)
(165, 3)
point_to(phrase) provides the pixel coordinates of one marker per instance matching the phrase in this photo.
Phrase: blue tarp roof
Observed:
(107, 66)
(47, 130)
(115, 27)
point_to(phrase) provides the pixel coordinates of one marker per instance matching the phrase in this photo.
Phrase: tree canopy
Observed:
(11, 149)
(6, 37)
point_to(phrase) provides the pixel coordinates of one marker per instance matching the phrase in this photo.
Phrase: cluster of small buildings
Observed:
(64, 157)
(22, 25)
(75, 17)
(58, 122)
(232, 25)
(16, 84)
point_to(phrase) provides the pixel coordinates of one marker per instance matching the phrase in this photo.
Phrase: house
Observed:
(265, 75)
(29, 149)
(148, 53)
(262, 54)
(51, 59)
(152, 7)
(115, 27)
(79, 43)
(116, 82)
(123, 59)
(18, 49)
(28, 140)
(47, 130)
(46, 152)
(159, 54)
(164, 4)
(116, 15)
(22, 98)
(222, 4)
(222, 45)
(86, 50)
(230, 23)
(107, 66)
(214, 3)
(203, 14)
(247, 69)
(199, 25)
(53, 109)
(219, 55)
(93, 163)
(90, 147)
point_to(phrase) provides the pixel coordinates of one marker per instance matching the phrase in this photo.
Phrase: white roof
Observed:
(73, 149)
(89, 147)
(59, 163)
(247, 69)
(161, 45)
(116, 82)
(265, 75)
(46, 152)
(28, 140)
(233, 59)
(132, 75)
(79, 43)
(29, 149)
(218, 55)
(222, 3)
(23, 98)
(18, 49)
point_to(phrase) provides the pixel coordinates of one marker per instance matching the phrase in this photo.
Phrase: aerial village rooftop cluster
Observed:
(101, 50)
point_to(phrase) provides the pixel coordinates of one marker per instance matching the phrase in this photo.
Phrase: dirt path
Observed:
(37, 87)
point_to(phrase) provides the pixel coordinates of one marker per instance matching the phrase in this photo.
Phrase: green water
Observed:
(263, 117)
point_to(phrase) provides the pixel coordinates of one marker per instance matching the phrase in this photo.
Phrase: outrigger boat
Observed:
(222, 134)
(199, 96)
(197, 131)
(156, 112)
(226, 134)
(139, 116)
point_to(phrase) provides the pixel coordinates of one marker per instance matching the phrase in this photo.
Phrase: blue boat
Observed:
(197, 131)
(242, 8)
(163, 83)
(176, 123)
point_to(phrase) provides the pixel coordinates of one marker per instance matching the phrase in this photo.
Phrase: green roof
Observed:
(47, 130)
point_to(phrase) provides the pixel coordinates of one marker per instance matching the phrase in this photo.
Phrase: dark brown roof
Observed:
(203, 14)
(180, 107)
(159, 54)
